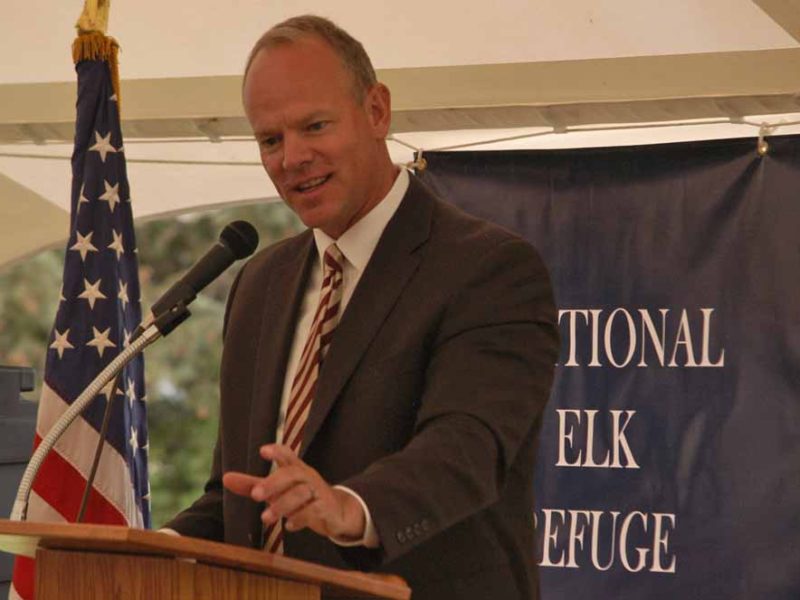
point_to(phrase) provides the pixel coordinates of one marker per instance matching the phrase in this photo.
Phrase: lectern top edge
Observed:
(23, 537)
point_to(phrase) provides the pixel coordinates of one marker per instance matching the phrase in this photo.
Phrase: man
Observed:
(400, 352)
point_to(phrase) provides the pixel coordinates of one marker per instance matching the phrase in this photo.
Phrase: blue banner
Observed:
(669, 462)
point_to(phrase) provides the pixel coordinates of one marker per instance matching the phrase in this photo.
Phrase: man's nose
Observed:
(297, 152)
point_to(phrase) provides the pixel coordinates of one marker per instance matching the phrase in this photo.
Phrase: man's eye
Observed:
(269, 142)
(317, 126)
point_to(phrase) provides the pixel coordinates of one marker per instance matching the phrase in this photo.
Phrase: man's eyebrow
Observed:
(301, 121)
(260, 134)
(317, 115)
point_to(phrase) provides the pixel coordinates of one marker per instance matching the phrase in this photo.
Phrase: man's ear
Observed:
(378, 104)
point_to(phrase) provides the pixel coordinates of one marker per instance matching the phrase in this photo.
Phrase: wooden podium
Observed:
(101, 562)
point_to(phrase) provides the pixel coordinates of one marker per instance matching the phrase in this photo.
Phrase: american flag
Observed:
(98, 311)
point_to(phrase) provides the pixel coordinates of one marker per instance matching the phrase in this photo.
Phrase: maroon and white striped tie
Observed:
(304, 384)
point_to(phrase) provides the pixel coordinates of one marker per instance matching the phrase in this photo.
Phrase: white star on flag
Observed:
(134, 441)
(82, 199)
(126, 336)
(123, 294)
(111, 195)
(61, 294)
(116, 245)
(84, 244)
(102, 145)
(91, 292)
(101, 341)
(131, 393)
(61, 342)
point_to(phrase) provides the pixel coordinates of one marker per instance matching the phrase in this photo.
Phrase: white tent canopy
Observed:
(459, 73)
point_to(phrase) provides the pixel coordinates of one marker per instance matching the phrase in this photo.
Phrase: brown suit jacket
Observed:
(429, 403)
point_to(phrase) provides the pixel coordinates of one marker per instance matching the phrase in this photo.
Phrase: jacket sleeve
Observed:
(487, 380)
(203, 519)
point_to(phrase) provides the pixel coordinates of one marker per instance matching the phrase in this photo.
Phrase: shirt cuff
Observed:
(168, 531)
(370, 538)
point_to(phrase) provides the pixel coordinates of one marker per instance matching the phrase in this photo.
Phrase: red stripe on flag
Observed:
(61, 485)
(24, 568)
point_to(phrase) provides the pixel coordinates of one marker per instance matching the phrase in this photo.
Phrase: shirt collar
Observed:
(358, 243)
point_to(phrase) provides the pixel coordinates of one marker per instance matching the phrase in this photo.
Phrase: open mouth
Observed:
(312, 184)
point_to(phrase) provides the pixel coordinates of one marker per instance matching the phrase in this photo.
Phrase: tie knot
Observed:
(333, 259)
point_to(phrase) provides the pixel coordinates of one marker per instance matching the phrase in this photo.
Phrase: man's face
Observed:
(320, 146)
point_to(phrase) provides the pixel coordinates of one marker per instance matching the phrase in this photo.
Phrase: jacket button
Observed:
(401, 537)
(409, 533)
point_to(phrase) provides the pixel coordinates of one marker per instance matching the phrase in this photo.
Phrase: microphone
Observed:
(238, 240)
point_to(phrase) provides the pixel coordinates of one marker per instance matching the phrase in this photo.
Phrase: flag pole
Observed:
(98, 309)
(92, 43)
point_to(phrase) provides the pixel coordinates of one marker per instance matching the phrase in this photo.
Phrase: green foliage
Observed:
(29, 295)
(182, 370)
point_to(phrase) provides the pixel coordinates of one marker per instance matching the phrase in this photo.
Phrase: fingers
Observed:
(286, 491)
(296, 492)
(282, 455)
(293, 491)
(268, 489)
(243, 484)
(293, 501)
(240, 483)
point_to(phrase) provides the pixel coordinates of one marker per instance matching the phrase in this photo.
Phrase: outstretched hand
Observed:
(296, 492)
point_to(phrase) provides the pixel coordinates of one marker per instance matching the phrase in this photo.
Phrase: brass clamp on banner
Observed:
(419, 163)
(762, 146)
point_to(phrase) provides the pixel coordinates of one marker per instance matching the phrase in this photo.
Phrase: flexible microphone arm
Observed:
(162, 327)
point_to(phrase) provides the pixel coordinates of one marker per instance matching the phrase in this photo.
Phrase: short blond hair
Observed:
(350, 51)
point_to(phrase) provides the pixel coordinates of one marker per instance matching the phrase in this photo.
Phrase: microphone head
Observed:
(241, 237)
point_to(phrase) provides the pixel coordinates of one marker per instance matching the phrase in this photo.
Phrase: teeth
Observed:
(313, 183)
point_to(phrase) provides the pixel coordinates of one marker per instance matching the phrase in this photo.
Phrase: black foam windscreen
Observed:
(241, 237)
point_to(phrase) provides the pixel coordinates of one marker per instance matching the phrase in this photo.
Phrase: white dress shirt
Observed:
(356, 245)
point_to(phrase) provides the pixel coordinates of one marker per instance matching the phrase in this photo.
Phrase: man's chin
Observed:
(316, 220)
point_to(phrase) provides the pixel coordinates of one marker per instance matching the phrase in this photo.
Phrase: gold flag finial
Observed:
(94, 17)
(92, 42)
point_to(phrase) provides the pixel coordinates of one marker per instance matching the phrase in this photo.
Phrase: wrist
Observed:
(353, 521)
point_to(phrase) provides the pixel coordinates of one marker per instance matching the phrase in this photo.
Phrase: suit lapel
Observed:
(391, 266)
(283, 297)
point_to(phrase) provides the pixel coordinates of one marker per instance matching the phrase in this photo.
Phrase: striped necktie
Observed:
(304, 384)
